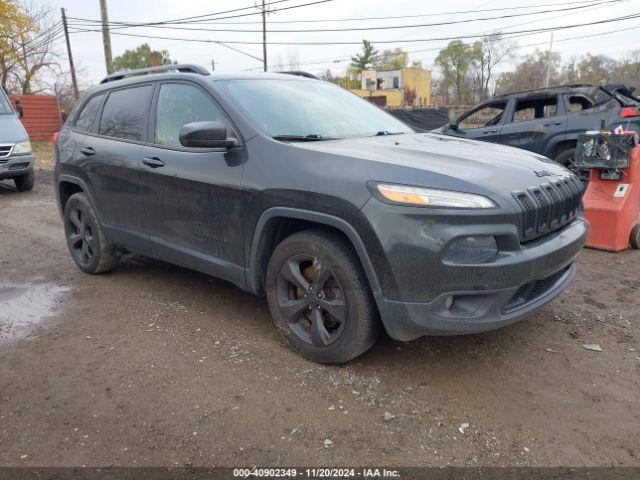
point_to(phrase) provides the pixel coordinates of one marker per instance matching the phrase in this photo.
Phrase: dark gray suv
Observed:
(344, 217)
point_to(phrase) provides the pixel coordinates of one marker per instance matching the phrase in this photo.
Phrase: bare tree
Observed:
(293, 60)
(34, 52)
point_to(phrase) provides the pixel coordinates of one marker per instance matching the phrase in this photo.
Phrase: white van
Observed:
(16, 158)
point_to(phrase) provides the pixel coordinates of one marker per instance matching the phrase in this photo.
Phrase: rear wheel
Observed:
(25, 182)
(567, 158)
(86, 241)
(634, 240)
(319, 297)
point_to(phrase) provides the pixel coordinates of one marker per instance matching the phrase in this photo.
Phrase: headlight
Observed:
(22, 148)
(430, 197)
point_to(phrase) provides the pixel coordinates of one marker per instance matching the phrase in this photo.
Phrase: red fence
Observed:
(41, 117)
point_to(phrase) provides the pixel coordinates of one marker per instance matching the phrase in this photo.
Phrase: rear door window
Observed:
(87, 117)
(125, 113)
(179, 104)
(577, 103)
(534, 108)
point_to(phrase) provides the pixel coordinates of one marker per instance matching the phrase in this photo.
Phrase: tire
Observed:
(25, 182)
(86, 241)
(634, 239)
(320, 299)
(566, 158)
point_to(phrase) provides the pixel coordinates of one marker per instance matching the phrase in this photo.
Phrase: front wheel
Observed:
(25, 182)
(319, 297)
(86, 241)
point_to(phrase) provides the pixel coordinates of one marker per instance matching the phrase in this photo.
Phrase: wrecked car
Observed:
(547, 121)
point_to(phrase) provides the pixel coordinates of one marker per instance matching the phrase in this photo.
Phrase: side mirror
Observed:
(19, 109)
(206, 135)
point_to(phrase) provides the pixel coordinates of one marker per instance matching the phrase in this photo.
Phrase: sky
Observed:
(89, 57)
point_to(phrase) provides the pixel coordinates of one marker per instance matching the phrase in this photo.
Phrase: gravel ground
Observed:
(157, 365)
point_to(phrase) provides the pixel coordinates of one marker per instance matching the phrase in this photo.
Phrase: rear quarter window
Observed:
(125, 113)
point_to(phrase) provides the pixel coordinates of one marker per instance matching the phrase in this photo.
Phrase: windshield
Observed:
(311, 109)
(5, 106)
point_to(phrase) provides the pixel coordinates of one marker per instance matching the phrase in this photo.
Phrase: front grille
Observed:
(5, 150)
(548, 207)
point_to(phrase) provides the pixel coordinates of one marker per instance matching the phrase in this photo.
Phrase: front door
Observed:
(191, 197)
(482, 123)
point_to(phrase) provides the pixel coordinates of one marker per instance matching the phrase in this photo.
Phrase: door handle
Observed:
(486, 132)
(88, 151)
(153, 162)
(552, 123)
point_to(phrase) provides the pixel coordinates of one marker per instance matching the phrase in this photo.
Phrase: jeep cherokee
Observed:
(348, 220)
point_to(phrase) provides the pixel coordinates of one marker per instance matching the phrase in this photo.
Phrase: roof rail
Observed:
(182, 68)
(301, 74)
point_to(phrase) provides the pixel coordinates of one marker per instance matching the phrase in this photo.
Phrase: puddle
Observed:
(24, 308)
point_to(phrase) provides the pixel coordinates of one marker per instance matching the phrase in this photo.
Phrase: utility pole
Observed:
(71, 66)
(106, 38)
(546, 83)
(264, 36)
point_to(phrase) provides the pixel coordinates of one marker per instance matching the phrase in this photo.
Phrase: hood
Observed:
(487, 165)
(11, 129)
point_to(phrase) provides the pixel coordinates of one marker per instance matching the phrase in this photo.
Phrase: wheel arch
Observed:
(68, 185)
(276, 224)
(556, 148)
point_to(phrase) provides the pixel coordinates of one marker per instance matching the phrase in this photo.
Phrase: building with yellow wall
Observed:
(405, 87)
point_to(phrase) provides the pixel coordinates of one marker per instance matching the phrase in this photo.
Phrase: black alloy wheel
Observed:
(311, 300)
(319, 297)
(81, 239)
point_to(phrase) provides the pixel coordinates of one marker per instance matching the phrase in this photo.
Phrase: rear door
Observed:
(112, 163)
(482, 123)
(191, 196)
(535, 122)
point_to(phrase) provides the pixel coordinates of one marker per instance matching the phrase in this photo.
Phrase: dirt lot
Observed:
(157, 365)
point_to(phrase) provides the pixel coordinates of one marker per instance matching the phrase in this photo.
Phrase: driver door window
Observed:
(484, 117)
(179, 104)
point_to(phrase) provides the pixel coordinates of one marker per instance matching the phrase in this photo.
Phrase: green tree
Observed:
(366, 59)
(392, 59)
(455, 62)
(141, 57)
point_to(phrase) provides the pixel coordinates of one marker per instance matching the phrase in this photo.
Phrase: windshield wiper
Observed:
(313, 137)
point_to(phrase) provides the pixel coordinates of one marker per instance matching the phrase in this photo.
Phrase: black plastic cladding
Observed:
(548, 207)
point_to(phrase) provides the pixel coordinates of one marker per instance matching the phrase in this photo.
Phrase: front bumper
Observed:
(16, 165)
(423, 294)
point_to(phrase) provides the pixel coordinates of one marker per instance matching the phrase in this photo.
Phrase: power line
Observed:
(351, 19)
(512, 33)
(169, 22)
(390, 27)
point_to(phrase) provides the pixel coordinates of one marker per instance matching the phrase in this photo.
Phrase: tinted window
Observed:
(179, 104)
(89, 113)
(125, 113)
(484, 117)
